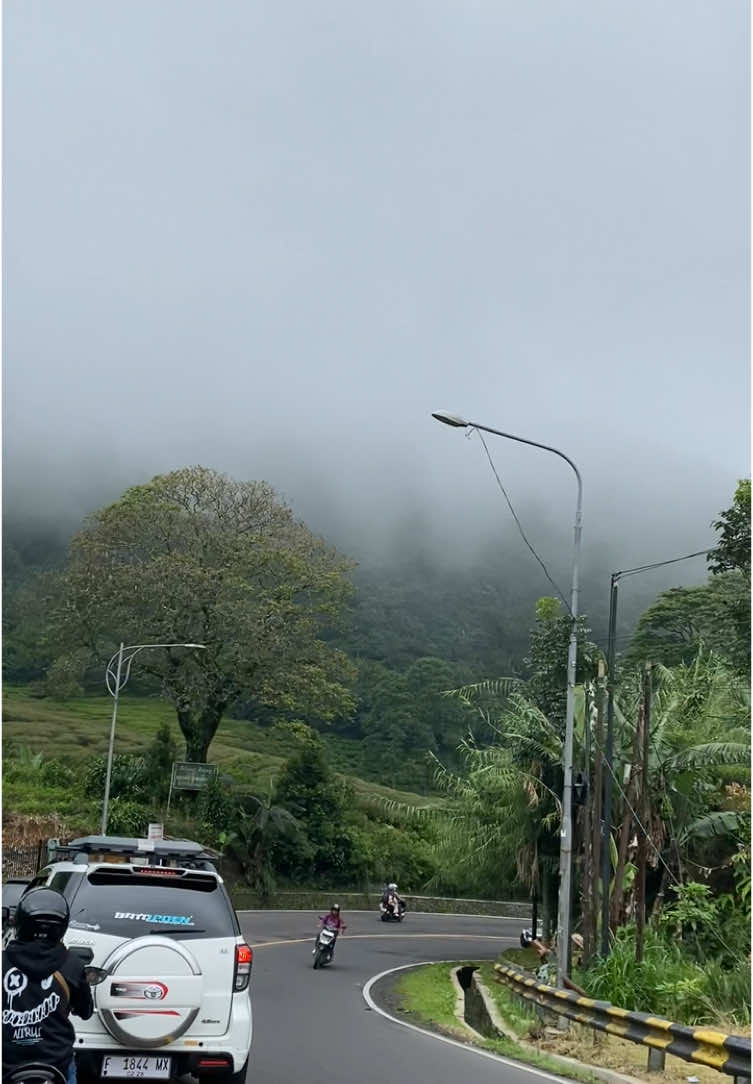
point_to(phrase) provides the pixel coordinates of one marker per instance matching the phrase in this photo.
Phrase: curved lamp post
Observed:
(115, 679)
(566, 832)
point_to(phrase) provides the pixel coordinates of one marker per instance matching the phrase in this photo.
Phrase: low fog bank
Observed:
(399, 511)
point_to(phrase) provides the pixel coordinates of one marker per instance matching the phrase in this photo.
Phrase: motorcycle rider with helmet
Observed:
(391, 899)
(332, 921)
(43, 983)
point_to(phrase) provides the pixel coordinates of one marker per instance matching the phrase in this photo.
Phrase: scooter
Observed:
(324, 947)
(393, 910)
(34, 1073)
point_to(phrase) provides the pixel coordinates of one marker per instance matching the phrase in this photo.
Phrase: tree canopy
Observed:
(197, 557)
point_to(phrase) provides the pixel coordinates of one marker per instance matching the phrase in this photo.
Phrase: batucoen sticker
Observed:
(165, 920)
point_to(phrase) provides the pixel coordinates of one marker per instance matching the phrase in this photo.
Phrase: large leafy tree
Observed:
(197, 557)
(732, 552)
(714, 615)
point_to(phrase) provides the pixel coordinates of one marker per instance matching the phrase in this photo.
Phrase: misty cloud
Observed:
(272, 238)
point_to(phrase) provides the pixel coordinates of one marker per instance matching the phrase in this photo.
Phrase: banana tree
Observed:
(697, 732)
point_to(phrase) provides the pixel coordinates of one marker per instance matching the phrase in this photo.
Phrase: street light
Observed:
(115, 680)
(606, 857)
(566, 832)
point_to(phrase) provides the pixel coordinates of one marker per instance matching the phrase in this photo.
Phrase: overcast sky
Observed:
(271, 237)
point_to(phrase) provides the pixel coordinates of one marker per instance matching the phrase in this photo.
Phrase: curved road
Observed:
(314, 1026)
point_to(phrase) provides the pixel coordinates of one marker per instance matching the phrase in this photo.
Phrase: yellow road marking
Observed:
(402, 936)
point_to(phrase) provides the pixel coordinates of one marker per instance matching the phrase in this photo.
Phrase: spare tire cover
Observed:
(153, 992)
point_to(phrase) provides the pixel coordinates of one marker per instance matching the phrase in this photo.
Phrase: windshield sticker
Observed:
(165, 920)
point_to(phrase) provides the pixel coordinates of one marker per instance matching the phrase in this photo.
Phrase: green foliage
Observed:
(733, 548)
(159, 759)
(683, 620)
(403, 715)
(22, 764)
(128, 778)
(215, 810)
(309, 791)
(126, 817)
(194, 556)
(692, 917)
(547, 659)
(668, 982)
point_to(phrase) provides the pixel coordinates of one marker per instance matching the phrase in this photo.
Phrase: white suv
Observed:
(157, 917)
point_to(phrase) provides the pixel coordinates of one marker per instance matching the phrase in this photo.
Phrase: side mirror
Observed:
(95, 975)
(86, 955)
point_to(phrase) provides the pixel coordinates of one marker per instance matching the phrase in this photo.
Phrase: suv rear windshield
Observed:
(133, 904)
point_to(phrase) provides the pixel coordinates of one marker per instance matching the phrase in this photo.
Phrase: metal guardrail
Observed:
(729, 1054)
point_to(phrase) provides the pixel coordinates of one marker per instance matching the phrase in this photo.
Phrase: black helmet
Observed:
(41, 915)
(335, 907)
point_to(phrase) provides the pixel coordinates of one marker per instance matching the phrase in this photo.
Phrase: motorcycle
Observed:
(34, 1072)
(393, 910)
(324, 947)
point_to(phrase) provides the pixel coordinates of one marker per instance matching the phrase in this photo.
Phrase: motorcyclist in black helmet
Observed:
(43, 983)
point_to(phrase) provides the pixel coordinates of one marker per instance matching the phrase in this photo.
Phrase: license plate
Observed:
(136, 1067)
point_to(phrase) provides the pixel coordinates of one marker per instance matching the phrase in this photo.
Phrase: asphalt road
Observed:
(314, 1026)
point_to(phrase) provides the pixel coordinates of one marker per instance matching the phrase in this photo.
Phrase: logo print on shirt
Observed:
(14, 983)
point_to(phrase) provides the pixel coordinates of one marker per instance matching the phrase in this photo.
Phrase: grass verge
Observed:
(426, 996)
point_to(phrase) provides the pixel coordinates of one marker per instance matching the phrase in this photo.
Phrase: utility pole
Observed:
(606, 861)
(590, 856)
(643, 807)
(597, 825)
(606, 851)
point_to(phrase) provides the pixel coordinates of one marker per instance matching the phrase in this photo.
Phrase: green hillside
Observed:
(74, 730)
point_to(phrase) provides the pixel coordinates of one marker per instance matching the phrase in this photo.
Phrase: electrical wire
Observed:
(659, 564)
(520, 525)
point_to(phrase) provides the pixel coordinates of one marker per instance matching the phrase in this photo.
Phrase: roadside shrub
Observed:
(642, 987)
(670, 983)
(216, 810)
(127, 818)
(128, 779)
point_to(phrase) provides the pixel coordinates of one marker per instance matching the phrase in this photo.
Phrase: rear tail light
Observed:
(214, 1063)
(244, 957)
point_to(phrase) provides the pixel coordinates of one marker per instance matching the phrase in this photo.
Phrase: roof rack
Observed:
(158, 852)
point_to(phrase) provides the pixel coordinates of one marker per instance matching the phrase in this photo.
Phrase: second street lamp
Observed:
(606, 827)
(566, 832)
(115, 679)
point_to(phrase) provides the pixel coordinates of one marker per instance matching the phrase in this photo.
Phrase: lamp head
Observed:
(450, 419)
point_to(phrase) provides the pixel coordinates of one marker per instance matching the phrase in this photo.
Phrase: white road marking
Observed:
(521, 1066)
